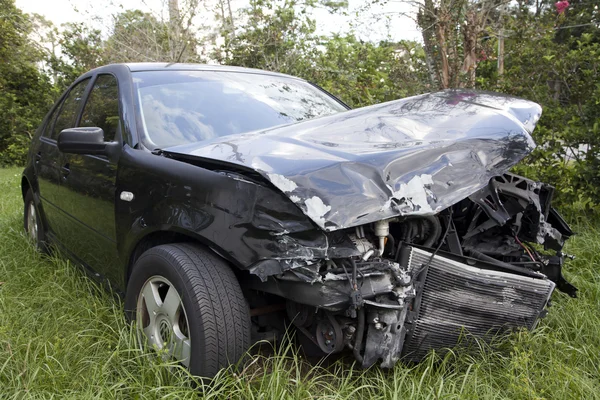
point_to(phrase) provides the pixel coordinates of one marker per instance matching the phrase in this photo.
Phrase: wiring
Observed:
(525, 248)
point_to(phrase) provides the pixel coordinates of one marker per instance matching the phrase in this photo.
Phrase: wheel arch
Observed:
(25, 186)
(167, 236)
(29, 181)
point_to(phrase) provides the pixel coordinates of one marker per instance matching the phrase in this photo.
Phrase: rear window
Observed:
(180, 107)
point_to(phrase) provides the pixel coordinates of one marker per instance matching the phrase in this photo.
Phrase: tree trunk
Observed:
(174, 11)
(443, 50)
(426, 20)
(231, 25)
(470, 31)
(174, 35)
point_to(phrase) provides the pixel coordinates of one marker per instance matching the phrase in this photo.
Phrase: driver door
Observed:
(89, 184)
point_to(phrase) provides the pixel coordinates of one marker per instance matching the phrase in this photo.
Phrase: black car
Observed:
(220, 201)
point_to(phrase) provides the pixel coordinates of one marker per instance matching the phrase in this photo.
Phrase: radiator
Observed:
(459, 301)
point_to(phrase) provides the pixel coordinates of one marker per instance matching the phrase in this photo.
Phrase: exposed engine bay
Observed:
(486, 265)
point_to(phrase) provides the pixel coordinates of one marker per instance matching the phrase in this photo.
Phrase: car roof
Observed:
(156, 66)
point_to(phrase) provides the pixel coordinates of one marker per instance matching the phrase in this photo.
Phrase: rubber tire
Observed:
(218, 314)
(40, 241)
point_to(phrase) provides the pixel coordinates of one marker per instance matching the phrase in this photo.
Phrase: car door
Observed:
(89, 184)
(48, 159)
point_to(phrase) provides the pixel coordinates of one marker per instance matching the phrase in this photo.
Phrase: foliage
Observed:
(277, 36)
(25, 92)
(82, 50)
(364, 73)
(563, 76)
(62, 336)
(142, 37)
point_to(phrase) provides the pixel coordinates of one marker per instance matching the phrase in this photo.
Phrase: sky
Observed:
(371, 24)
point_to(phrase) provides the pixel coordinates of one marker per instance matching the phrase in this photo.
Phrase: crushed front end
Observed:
(397, 288)
(393, 229)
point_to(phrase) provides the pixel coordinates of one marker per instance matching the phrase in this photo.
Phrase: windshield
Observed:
(181, 107)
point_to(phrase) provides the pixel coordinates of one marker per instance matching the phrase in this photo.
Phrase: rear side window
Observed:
(102, 107)
(50, 122)
(68, 112)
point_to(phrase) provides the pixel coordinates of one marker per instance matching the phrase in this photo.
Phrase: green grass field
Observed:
(61, 336)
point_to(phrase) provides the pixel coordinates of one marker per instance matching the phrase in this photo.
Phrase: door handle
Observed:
(66, 170)
(38, 156)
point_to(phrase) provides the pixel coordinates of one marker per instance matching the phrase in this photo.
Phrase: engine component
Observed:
(423, 229)
(385, 337)
(382, 230)
(329, 335)
(362, 244)
(456, 300)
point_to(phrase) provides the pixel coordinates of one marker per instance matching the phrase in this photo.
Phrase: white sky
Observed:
(371, 24)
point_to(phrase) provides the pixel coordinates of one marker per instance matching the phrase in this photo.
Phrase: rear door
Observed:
(89, 185)
(48, 159)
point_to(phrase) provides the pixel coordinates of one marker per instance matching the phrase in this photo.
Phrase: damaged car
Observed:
(221, 201)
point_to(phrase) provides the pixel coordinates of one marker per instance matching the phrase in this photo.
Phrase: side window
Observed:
(68, 111)
(102, 107)
(50, 122)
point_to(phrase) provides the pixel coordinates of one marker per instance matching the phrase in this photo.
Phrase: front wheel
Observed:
(188, 304)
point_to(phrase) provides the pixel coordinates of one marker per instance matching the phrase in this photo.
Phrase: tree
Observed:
(451, 33)
(138, 36)
(276, 36)
(25, 93)
(81, 49)
(225, 29)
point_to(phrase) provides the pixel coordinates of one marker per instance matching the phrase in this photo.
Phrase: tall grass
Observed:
(61, 336)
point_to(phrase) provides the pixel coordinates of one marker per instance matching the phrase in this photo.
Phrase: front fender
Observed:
(243, 220)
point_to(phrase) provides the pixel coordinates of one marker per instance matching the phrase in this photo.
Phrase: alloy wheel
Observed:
(32, 226)
(162, 319)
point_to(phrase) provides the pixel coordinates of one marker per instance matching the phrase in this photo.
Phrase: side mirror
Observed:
(84, 140)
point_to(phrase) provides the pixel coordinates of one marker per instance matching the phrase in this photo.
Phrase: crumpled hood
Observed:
(414, 156)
